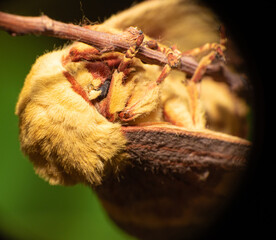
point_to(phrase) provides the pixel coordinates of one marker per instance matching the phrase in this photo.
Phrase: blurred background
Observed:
(32, 209)
(29, 207)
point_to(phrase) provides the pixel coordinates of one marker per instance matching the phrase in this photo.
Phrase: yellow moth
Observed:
(74, 101)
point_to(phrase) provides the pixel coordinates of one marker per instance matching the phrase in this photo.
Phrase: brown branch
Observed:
(43, 25)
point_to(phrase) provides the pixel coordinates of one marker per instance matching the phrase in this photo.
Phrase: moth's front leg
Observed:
(216, 51)
(118, 88)
(144, 103)
(133, 108)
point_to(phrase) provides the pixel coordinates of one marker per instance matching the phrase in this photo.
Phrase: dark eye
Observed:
(104, 88)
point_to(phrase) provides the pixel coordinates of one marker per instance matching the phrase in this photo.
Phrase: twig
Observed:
(43, 25)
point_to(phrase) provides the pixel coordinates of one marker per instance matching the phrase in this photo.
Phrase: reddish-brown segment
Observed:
(99, 70)
(164, 73)
(76, 87)
(204, 62)
(197, 51)
(75, 55)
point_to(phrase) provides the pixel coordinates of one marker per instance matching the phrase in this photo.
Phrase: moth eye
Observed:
(104, 89)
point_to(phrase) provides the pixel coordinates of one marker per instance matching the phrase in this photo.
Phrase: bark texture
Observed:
(175, 183)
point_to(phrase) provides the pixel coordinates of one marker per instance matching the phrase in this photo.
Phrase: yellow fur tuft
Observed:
(66, 138)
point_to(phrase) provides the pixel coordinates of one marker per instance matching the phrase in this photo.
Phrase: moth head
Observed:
(113, 91)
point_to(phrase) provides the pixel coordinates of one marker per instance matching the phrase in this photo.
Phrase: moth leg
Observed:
(217, 47)
(119, 76)
(193, 85)
(216, 50)
(128, 113)
(125, 65)
(173, 58)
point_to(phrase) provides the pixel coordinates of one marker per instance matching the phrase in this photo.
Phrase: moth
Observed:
(75, 100)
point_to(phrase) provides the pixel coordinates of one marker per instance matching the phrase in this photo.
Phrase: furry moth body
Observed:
(67, 140)
(61, 131)
(74, 101)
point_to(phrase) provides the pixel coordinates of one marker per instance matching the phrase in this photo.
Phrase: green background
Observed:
(29, 207)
